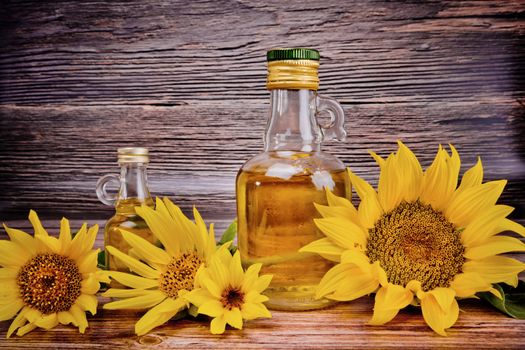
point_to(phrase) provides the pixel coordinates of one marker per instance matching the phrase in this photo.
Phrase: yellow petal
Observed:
(440, 309)
(233, 317)
(87, 303)
(65, 236)
(342, 232)
(201, 233)
(469, 203)
(369, 209)
(389, 300)
(357, 258)
(251, 276)
(25, 329)
(158, 315)
(493, 246)
(186, 230)
(410, 172)
(33, 314)
(379, 160)
(37, 225)
(388, 189)
(12, 254)
(51, 243)
(88, 263)
(141, 302)
(509, 225)
(133, 281)
(235, 270)
(251, 311)
(262, 283)
(198, 296)
(336, 201)
(467, 284)
(145, 249)
(65, 317)
(435, 182)
(325, 248)
(163, 229)
(217, 325)
(8, 273)
(8, 311)
(495, 269)
(472, 177)
(90, 285)
(22, 239)
(212, 308)
(346, 282)
(125, 293)
(254, 297)
(80, 318)
(134, 264)
(338, 211)
(76, 248)
(47, 321)
(218, 269)
(18, 322)
(484, 225)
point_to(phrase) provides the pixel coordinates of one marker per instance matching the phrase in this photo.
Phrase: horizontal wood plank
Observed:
(340, 327)
(179, 52)
(186, 79)
(53, 156)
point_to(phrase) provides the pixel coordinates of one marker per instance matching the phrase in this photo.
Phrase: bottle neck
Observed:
(292, 125)
(134, 184)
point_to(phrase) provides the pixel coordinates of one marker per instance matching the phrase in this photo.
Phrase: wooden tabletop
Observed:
(341, 326)
(186, 79)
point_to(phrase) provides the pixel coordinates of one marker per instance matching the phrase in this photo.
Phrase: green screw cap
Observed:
(297, 53)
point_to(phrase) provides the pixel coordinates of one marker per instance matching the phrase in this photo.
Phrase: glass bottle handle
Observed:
(335, 129)
(102, 193)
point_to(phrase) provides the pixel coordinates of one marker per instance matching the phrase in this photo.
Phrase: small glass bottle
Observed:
(277, 189)
(133, 191)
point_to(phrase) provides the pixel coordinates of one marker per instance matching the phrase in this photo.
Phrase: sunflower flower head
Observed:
(46, 280)
(419, 239)
(161, 277)
(228, 294)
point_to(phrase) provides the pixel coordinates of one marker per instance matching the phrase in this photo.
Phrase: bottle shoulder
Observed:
(304, 163)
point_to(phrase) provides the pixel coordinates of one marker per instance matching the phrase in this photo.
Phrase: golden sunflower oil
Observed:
(275, 220)
(133, 192)
(126, 219)
(277, 189)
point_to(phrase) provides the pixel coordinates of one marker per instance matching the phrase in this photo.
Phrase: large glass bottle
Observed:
(277, 189)
(133, 191)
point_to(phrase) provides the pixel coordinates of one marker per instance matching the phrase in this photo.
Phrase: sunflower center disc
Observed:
(232, 297)
(49, 283)
(416, 242)
(180, 274)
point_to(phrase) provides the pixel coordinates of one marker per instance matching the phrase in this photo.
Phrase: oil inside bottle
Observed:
(276, 213)
(127, 219)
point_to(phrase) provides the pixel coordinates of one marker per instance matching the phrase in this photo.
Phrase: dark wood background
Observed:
(187, 80)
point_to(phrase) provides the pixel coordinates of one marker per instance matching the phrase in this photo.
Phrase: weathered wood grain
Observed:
(179, 52)
(186, 79)
(340, 327)
(53, 156)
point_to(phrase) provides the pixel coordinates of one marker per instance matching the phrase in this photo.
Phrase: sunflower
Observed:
(46, 281)
(227, 293)
(420, 239)
(162, 276)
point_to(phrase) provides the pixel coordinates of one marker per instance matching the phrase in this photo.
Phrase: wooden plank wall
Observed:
(187, 80)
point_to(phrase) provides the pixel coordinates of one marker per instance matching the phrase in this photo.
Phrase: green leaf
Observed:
(101, 260)
(229, 236)
(513, 301)
(230, 233)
